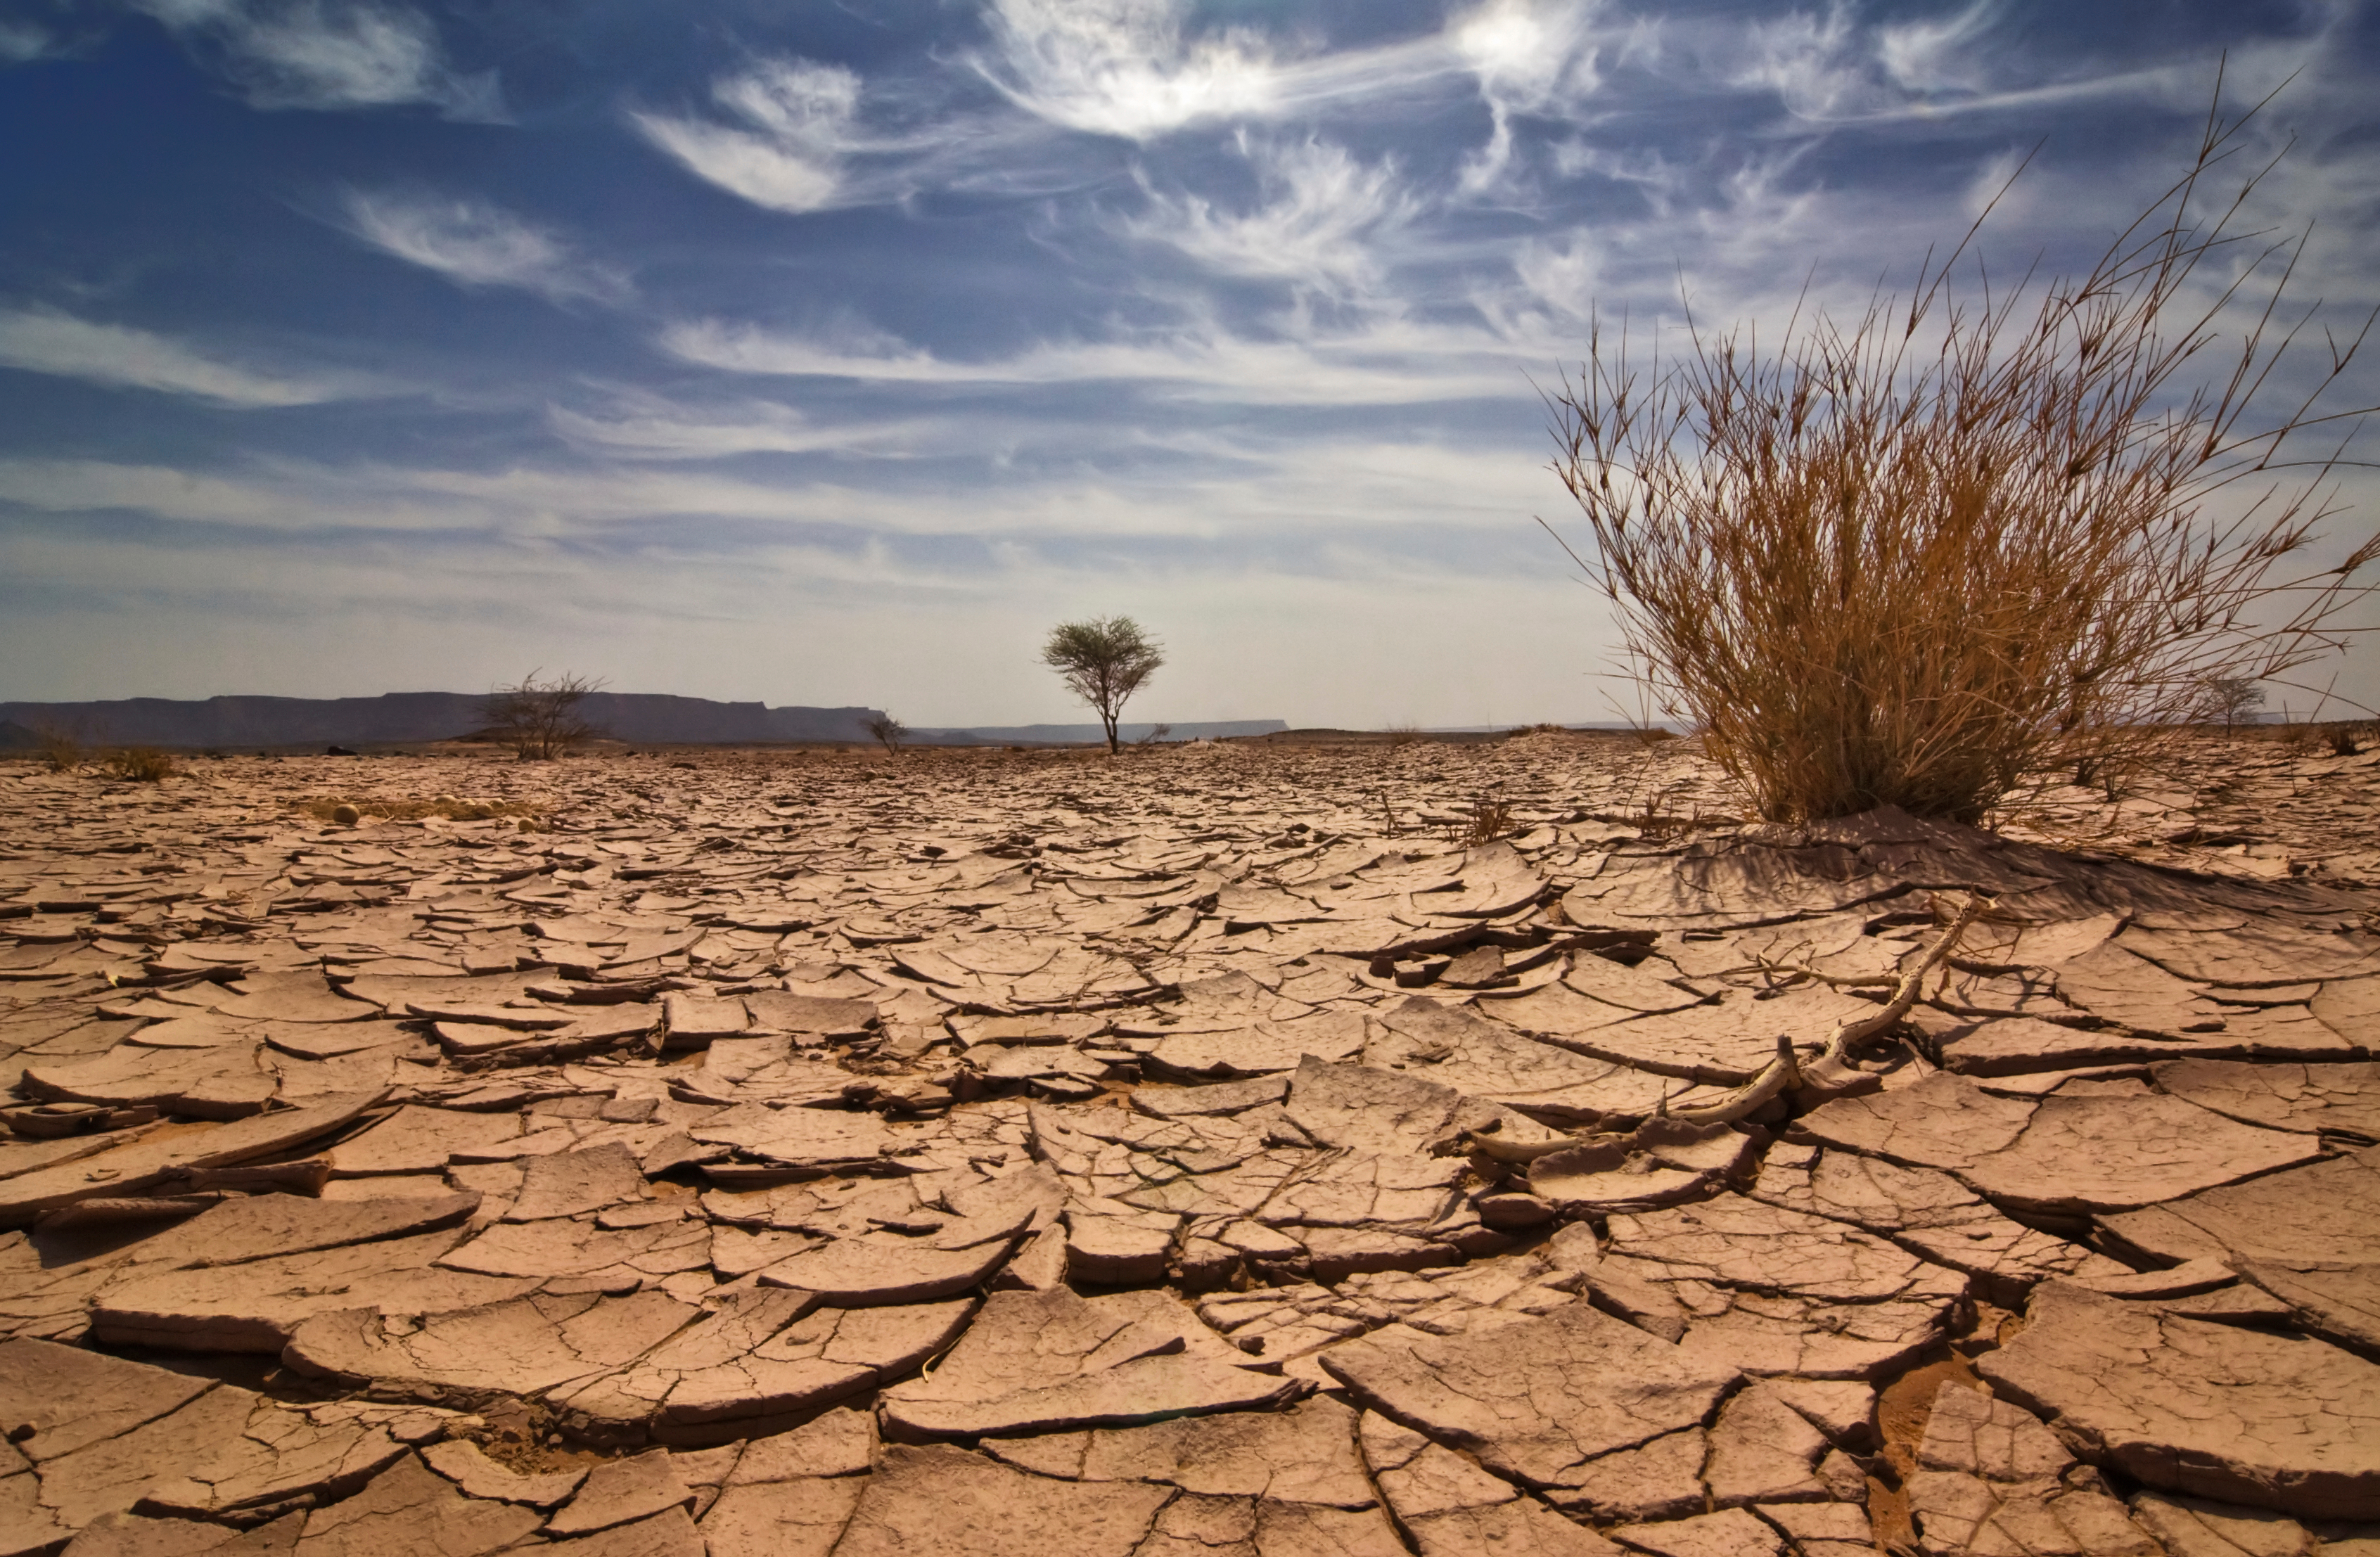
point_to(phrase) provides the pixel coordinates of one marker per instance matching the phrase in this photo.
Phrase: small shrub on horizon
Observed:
(538, 717)
(136, 765)
(60, 751)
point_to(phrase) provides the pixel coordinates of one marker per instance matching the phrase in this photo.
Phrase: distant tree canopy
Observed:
(1103, 661)
(2232, 699)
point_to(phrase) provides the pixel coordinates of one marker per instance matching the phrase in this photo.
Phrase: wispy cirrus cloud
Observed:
(46, 341)
(1123, 68)
(1938, 54)
(1836, 69)
(1525, 54)
(1135, 70)
(1393, 363)
(785, 152)
(21, 40)
(642, 426)
(1322, 209)
(1244, 482)
(475, 244)
(328, 54)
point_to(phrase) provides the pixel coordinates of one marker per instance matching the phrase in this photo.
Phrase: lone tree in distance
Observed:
(1103, 662)
(2232, 699)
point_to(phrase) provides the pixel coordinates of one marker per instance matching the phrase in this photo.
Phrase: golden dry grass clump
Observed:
(1915, 559)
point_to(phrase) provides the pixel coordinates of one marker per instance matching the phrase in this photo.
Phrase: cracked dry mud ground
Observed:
(814, 1152)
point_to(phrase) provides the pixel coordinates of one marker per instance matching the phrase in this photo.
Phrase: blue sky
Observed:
(829, 352)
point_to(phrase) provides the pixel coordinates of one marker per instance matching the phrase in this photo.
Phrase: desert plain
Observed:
(1276, 1148)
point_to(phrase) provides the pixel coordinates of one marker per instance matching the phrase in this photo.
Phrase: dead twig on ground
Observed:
(1786, 1071)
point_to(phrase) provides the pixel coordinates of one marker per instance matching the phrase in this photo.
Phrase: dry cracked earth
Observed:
(1210, 1152)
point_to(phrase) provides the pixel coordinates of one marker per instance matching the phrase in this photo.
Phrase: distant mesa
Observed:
(416, 716)
(640, 717)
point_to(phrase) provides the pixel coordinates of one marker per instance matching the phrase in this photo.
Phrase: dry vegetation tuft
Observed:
(1915, 559)
(1490, 818)
(2338, 737)
(136, 765)
(537, 716)
(60, 751)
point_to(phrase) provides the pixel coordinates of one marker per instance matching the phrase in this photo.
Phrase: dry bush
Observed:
(136, 765)
(888, 731)
(2303, 738)
(1917, 558)
(538, 717)
(60, 749)
(1403, 734)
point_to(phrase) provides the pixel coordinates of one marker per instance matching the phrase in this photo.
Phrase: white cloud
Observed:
(474, 244)
(799, 115)
(21, 41)
(329, 53)
(798, 136)
(1818, 68)
(1568, 275)
(1122, 68)
(1526, 53)
(1247, 484)
(648, 427)
(1320, 207)
(1938, 56)
(1394, 363)
(1829, 69)
(42, 341)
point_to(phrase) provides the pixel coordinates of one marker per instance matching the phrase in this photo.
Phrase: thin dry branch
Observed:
(1780, 1076)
